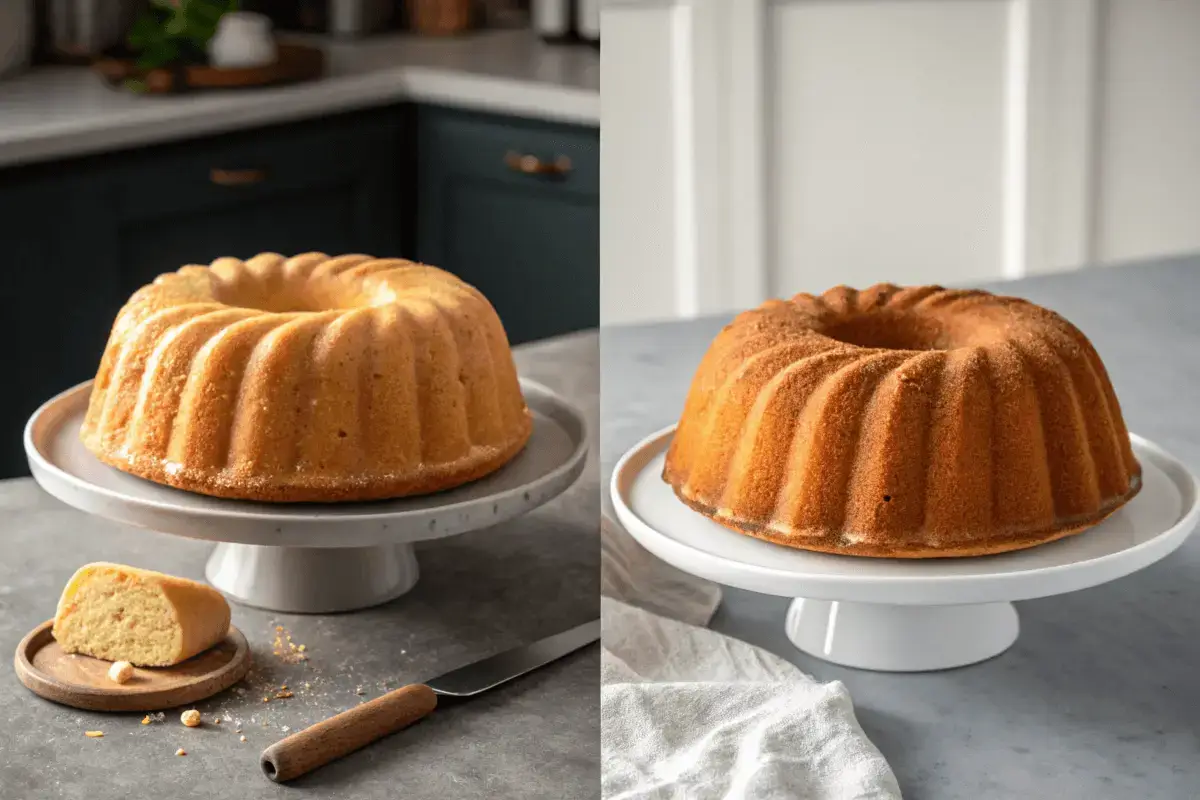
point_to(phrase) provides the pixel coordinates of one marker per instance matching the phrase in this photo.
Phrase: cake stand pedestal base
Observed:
(891, 638)
(312, 580)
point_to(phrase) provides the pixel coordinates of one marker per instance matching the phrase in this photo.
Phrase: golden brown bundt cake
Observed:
(307, 379)
(903, 422)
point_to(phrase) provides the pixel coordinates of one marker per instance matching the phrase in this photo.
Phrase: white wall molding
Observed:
(684, 126)
(691, 106)
(1017, 89)
(747, 187)
(1061, 128)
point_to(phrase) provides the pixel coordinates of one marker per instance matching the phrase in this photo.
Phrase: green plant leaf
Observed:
(170, 31)
(177, 25)
(158, 54)
(144, 30)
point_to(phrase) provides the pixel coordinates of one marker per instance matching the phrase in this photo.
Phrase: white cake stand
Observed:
(309, 558)
(899, 615)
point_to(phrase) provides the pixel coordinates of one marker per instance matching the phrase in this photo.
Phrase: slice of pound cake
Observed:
(122, 613)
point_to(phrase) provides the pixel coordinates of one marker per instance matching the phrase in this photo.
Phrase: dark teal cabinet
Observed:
(513, 208)
(56, 299)
(333, 186)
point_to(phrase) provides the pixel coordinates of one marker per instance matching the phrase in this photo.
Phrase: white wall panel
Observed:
(887, 141)
(1149, 155)
(638, 253)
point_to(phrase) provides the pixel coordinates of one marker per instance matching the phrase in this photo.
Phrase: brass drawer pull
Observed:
(532, 165)
(237, 177)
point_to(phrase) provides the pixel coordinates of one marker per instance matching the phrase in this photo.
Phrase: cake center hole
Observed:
(890, 330)
(290, 297)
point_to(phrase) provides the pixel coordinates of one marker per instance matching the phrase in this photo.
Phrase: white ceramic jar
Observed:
(243, 39)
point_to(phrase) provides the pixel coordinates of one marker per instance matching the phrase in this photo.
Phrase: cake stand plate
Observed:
(902, 615)
(307, 557)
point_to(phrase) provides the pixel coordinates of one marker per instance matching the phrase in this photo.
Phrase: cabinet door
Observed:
(331, 186)
(529, 242)
(55, 299)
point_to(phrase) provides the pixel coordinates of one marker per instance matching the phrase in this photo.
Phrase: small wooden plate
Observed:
(82, 681)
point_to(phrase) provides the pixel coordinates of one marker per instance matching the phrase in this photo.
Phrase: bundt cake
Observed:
(904, 423)
(307, 379)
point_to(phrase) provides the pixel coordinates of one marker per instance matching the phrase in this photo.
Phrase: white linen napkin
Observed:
(689, 713)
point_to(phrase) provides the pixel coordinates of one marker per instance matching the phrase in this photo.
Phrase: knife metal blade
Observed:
(501, 668)
(357, 727)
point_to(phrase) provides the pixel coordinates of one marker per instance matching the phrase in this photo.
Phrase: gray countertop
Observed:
(479, 593)
(1099, 697)
(57, 112)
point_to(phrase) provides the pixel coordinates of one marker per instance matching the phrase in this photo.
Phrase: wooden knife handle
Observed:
(350, 730)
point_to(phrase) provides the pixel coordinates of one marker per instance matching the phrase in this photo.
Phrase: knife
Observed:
(351, 730)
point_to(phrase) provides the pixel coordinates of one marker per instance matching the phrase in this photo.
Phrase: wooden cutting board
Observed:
(296, 62)
(82, 681)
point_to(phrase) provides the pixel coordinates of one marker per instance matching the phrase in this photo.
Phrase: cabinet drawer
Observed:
(244, 168)
(529, 242)
(486, 147)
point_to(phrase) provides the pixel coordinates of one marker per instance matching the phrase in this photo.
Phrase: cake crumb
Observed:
(120, 672)
(283, 695)
(216, 720)
(285, 728)
(285, 649)
(191, 718)
(93, 734)
(359, 690)
(146, 720)
(243, 738)
(266, 699)
(181, 752)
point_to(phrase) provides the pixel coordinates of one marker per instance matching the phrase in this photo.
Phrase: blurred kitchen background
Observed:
(759, 148)
(462, 133)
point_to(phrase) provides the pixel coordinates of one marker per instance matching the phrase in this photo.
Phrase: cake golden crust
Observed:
(1001, 543)
(902, 423)
(307, 379)
(482, 462)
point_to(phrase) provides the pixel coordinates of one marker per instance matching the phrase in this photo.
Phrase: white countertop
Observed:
(57, 112)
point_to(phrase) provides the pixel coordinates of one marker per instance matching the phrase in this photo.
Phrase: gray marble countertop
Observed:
(57, 112)
(1099, 697)
(479, 593)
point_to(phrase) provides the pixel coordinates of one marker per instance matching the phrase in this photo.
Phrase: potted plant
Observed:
(178, 45)
(173, 34)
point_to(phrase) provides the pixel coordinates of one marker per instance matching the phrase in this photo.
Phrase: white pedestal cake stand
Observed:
(899, 615)
(309, 558)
